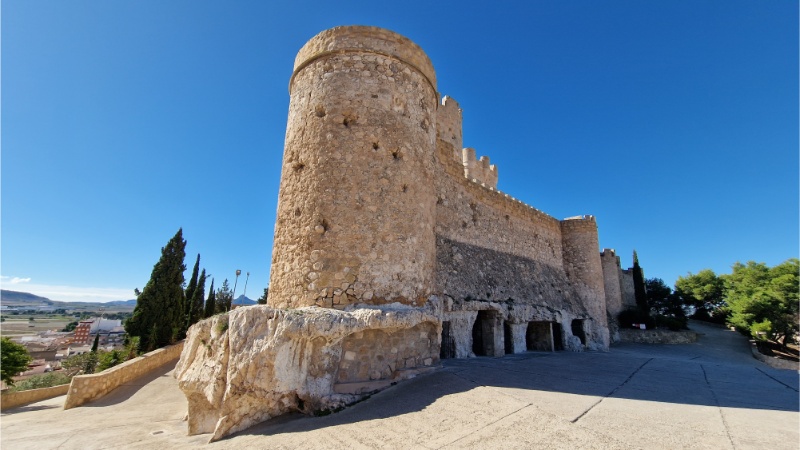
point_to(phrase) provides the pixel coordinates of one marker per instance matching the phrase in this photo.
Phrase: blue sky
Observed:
(674, 122)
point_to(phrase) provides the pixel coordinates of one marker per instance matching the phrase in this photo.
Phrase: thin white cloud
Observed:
(14, 280)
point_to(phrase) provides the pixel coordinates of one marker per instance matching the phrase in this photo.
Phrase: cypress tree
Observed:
(639, 291)
(158, 317)
(96, 341)
(188, 305)
(192, 286)
(197, 301)
(211, 302)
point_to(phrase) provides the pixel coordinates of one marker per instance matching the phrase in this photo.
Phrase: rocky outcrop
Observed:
(255, 363)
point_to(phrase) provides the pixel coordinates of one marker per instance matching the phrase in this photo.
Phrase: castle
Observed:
(393, 249)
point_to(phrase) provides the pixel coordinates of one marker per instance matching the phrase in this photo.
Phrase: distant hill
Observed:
(23, 297)
(244, 301)
(14, 299)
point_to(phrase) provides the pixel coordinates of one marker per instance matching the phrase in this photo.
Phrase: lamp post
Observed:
(238, 272)
(245, 285)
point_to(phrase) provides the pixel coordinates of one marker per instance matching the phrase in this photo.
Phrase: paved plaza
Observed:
(710, 394)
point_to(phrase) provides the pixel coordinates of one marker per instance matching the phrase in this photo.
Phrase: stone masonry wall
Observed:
(585, 272)
(481, 170)
(628, 292)
(476, 215)
(373, 355)
(493, 248)
(13, 399)
(356, 209)
(448, 124)
(611, 281)
(613, 290)
(85, 388)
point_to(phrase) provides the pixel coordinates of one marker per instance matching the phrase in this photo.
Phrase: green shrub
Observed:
(672, 323)
(43, 381)
(110, 359)
(630, 316)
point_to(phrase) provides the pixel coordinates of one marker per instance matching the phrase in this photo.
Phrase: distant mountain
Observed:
(244, 301)
(14, 299)
(23, 297)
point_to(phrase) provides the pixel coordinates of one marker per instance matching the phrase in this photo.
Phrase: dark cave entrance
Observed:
(558, 337)
(539, 337)
(483, 334)
(448, 348)
(577, 330)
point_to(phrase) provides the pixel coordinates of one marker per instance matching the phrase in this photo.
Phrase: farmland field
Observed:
(15, 326)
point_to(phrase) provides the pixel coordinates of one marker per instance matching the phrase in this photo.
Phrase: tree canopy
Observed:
(763, 301)
(665, 309)
(705, 293)
(224, 297)
(14, 358)
(158, 317)
(263, 299)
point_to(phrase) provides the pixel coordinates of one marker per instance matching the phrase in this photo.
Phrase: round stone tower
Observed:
(584, 269)
(356, 209)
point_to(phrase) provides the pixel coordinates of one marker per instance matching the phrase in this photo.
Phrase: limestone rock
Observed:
(255, 363)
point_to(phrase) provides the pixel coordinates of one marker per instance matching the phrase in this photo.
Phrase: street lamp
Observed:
(245, 285)
(238, 272)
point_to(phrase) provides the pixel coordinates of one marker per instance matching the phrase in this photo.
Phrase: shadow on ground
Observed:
(717, 371)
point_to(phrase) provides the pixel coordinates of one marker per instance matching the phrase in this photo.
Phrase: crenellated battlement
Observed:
(582, 222)
(478, 169)
(449, 124)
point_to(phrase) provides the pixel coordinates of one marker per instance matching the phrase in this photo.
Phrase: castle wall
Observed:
(613, 289)
(493, 248)
(356, 207)
(628, 292)
(585, 271)
(611, 281)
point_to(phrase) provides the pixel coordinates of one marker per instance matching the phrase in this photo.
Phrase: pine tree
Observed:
(224, 297)
(158, 316)
(211, 302)
(263, 299)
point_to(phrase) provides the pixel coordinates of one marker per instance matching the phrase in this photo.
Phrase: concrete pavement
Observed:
(711, 394)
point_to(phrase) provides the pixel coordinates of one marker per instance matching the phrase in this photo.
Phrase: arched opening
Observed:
(483, 334)
(539, 337)
(448, 348)
(577, 330)
(558, 337)
(508, 338)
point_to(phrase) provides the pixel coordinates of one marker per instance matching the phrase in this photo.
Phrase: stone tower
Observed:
(356, 209)
(584, 269)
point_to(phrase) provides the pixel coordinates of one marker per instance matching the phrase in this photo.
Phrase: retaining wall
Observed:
(657, 336)
(772, 361)
(85, 388)
(14, 399)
